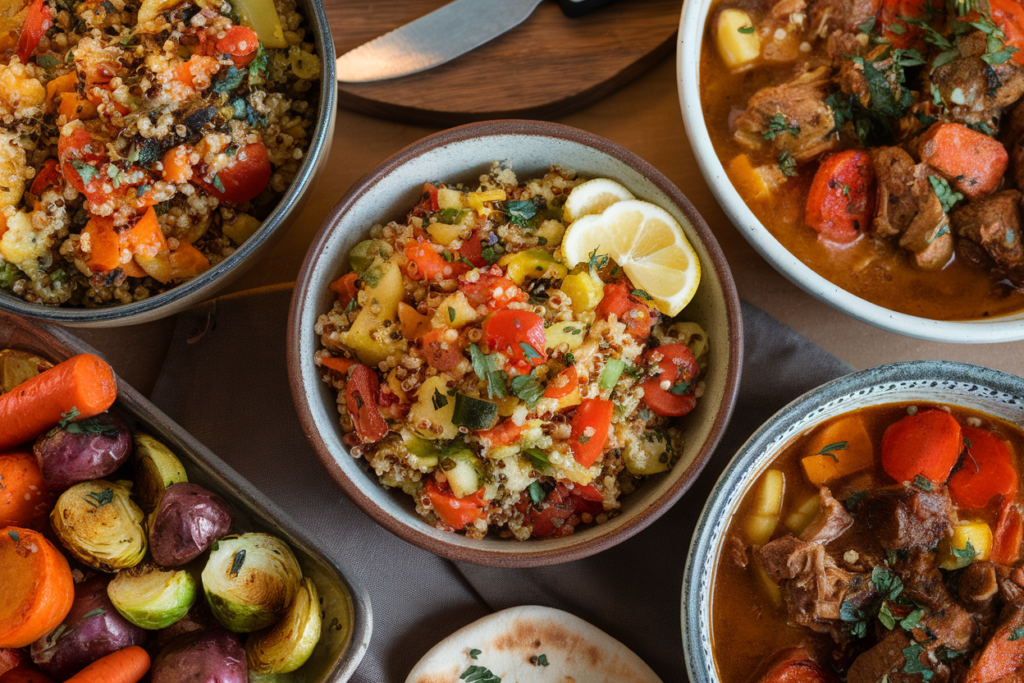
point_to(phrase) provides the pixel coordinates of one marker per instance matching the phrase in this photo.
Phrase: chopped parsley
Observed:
(451, 314)
(68, 417)
(947, 195)
(529, 353)
(218, 183)
(95, 613)
(479, 674)
(486, 369)
(922, 482)
(1017, 634)
(787, 164)
(746, 30)
(885, 616)
(520, 212)
(912, 655)
(637, 293)
(537, 494)
(598, 261)
(86, 171)
(450, 216)
(963, 556)
(779, 124)
(569, 358)
(492, 253)
(679, 388)
(829, 449)
(528, 388)
(886, 582)
(910, 622)
(474, 653)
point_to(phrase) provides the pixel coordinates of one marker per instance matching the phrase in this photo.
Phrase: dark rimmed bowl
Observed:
(996, 393)
(273, 228)
(463, 154)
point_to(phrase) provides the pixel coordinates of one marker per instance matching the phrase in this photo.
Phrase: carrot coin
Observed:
(36, 589)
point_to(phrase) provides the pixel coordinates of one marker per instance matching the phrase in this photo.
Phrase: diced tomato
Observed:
(503, 434)
(493, 289)
(472, 250)
(561, 510)
(841, 202)
(564, 383)
(455, 512)
(1009, 16)
(678, 367)
(430, 192)
(520, 336)
(37, 21)
(341, 365)
(441, 355)
(987, 471)
(588, 492)
(590, 430)
(241, 43)
(361, 401)
(345, 288)
(48, 175)
(636, 315)
(243, 180)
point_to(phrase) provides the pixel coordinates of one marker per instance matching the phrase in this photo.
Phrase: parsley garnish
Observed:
(529, 353)
(258, 66)
(909, 623)
(543, 659)
(447, 256)
(947, 196)
(492, 253)
(218, 183)
(520, 212)
(583, 439)
(922, 482)
(237, 561)
(479, 674)
(438, 400)
(68, 417)
(913, 664)
(597, 262)
(91, 426)
(98, 500)
(679, 388)
(95, 613)
(451, 314)
(538, 457)
(885, 616)
(537, 494)
(474, 653)
(486, 369)
(638, 293)
(828, 450)
(569, 358)
(855, 497)
(787, 164)
(747, 30)
(967, 553)
(528, 388)
(87, 171)
(779, 124)
(14, 536)
(887, 583)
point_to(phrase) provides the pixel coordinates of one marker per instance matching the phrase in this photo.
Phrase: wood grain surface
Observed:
(547, 66)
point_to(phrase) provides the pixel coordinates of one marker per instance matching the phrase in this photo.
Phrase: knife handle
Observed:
(577, 8)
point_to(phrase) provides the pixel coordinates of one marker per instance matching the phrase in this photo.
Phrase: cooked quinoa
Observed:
(500, 390)
(142, 143)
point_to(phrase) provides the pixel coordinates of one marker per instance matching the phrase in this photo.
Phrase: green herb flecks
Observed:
(830, 449)
(451, 314)
(521, 212)
(91, 426)
(98, 500)
(479, 674)
(746, 30)
(542, 660)
(439, 400)
(529, 353)
(95, 613)
(922, 482)
(778, 125)
(537, 494)
(912, 655)
(474, 653)
(886, 582)
(450, 216)
(598, 261)
(963, 556)
(14, 536)
(885, 616)
(528, 388)
(86, 171)
(218, 183)
(642, 294)
(486, 369)
(68, 417)
(679, 388)
(538, 458)
(787, 164)
(1017, 634)
(237, 561)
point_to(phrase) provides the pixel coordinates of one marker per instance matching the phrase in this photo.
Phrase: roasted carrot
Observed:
(104, 244)
(972, 162)
(187, 261)
(24, 499)
(1008, 534)
(124, 666)
(840, 448)
(74, 108)
(503, 434)
(424, 262)
(145, 237)
(794, 666)
(1003, 654)
(927, 443)
(196, 72)
(36, 588)
(25, 673)
(1009, 16)
(78, 388)
(341, 365)
(58, 86)
(11, 658)
(841, 202)
(177, 165)
(345, 288)
(986, 472)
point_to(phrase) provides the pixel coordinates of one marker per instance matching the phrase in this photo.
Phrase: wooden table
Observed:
(643, 117)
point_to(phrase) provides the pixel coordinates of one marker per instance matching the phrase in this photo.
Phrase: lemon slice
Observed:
(593, 196)
(647, 243)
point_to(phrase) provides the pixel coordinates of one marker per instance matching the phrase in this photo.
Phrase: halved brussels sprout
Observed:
(100, 525)
(288, 644)
(152, 597)
(250, 581)
(156, 468)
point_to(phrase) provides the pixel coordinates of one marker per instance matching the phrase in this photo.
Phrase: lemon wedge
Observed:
(593, 196)
(647, 243)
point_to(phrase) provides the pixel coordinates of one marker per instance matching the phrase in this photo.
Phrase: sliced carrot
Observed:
(80, 387)
(1008, 534)
(841, 202)
(25, 673)
(104, 244)
(58, 86)
(145, 237)
(987, 471)
(36, 588)
(341, 365)
(503, 434)
(187, 261)
(927, 443)
(24, 499)
(177, 167)
(972, 162)
(840, 448)
(124, 666)
(132, 269)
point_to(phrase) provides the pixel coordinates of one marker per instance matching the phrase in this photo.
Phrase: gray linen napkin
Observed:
(225, 381)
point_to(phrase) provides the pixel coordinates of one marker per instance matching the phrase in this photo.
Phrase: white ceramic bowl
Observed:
(463, 154)
(990, 391)
(691, 35)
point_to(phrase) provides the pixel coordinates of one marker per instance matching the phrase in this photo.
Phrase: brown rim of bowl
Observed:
(644, 517)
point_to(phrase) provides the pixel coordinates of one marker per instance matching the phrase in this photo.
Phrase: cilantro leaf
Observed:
(486, 369)
(787, 164)
(528, 388)
(779, 124)
(922, 483)
(537, 494)
(912, 655)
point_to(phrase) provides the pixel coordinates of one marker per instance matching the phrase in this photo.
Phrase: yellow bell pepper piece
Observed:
(532, 263)
(585, 289)
(476, 199)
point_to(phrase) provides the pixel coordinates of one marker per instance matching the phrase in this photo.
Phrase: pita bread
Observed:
(515, 643)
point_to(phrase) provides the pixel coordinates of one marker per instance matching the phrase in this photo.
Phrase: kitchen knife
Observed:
(442, 35)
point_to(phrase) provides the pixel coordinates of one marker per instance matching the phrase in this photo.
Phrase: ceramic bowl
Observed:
(463, 154)
(990, 391)
(691, 35)
(288, 208)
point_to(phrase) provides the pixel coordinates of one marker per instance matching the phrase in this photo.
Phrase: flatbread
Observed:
(515, 643)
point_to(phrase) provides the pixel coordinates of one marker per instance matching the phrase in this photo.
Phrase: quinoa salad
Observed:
(143, 143)
(482, 374)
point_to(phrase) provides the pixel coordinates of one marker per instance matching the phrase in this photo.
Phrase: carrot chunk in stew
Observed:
(987, 471)
(973, 162)
(927, 443)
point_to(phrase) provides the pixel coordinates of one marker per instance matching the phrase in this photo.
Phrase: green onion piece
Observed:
(611, 373)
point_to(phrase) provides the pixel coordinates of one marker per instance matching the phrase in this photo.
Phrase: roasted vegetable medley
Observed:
(140, 561)
(141, 143)
(498, 379)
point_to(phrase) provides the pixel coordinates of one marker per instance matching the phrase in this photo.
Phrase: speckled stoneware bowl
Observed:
(463, 154)
(272, 229)
(990, 391)
(691, 35)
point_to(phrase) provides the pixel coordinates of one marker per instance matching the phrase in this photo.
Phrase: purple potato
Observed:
(83, 451)
(187, 522)
(92, 629)
(214, 656)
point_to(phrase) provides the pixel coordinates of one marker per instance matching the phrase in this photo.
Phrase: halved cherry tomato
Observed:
(590, 430)
(430, 192)
(987, 471)
(560, 511)
(241, 43)
(493, 289)
(678, 367)
(345, 288)
(636, 315)
(243, 180)
(455, 512)
(361, 401)
(564, 383)
(472, 250)
(424, 262)
(503, 434)
(37, 21)
(47, 176)
(441, 355)
(520, 336)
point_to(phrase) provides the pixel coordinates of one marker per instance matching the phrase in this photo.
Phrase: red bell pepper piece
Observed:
(520, 336)
(503, 434)
(38, 20)
(565, 382)
(677, 366)
(590, 430)
(472, 250)
(47, 176)
(361, 401)
(493, 289)
(441, 355)
(345, 288)
(455, 512)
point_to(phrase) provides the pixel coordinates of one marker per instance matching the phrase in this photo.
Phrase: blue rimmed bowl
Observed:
(989, 391)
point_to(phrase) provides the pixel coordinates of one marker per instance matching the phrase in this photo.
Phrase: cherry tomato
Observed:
(493, 289)
(561, 510)
(441, 355)
(636, 315)
(243, 180)
(38, 20)
(472, 250)
(455, 512)
(565, 382)
(519, 335)
(361, 401)
(590, 430)
(241, 43)
(677, 366)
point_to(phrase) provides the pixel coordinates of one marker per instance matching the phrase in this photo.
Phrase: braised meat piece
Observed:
(973, 90)
(993, 223)
(831, 522)
(896, 203)
(884, 659)
(928, 237)
(794, 115)
(812, 584)
(846, 15)
(977, 589)
(784, 8)
(945, 622)
(903, 517)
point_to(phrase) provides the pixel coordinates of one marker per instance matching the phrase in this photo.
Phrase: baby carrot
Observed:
(24, 499)
(36, 588)
(124, 666)
(80, 387)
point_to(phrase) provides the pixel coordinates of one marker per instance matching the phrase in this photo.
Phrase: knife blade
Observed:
(441, 36)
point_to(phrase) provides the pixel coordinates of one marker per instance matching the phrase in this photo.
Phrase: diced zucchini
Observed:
(424, 451)
(571, 333)
(449, 199)
(464, 470)
(532, 263)
(433, 408)
(613, 368)
(368, 337)
(474, 413)
(364, 253)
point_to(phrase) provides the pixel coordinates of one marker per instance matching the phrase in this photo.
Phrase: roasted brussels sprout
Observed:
(250, 581)
(214, 656)
(82, 451)
(100, 525)
(287, 645)
(156, 468)
(187, 521)
(152, 597)
(92, 629)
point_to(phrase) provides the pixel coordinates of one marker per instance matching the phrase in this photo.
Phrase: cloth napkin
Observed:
(225, 381)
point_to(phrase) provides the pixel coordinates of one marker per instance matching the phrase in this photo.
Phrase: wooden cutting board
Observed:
(546, 67)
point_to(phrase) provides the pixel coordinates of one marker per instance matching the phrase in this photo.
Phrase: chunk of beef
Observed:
(974, 91)
(832, 520)
(884, 659)
(977, 589)
(812, 585)
(846, 15)
(801, 105)
(945, 622)
(897, 203)
(904, 517)
(994, 224)
(928, 237)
